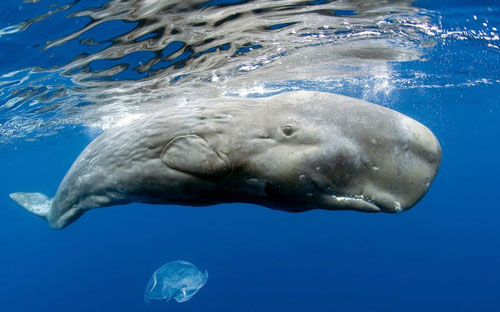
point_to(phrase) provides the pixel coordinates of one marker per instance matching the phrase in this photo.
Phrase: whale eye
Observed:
(288, 130)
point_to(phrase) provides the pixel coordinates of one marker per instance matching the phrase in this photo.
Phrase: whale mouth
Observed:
(351, 202)
(348, 201)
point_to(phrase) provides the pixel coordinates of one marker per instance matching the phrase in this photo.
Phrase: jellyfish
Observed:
(179, 279)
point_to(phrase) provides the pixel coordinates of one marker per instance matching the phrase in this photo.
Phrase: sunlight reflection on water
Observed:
(102, 64)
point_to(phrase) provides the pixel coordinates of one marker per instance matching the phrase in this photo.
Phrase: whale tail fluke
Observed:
(36, 203)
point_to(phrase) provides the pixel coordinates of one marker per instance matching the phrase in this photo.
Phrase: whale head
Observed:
(310, 150)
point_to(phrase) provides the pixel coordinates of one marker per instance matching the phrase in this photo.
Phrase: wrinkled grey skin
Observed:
(294, 152)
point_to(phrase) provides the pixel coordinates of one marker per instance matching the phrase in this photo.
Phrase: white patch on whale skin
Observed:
(397, 206)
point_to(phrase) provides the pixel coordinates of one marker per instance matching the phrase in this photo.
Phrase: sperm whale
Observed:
(293, 151)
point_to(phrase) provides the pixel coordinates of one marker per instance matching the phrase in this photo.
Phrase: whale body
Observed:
(294, 151)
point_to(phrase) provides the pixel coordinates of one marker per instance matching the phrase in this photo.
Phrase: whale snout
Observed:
(402, 172)
(383, 161)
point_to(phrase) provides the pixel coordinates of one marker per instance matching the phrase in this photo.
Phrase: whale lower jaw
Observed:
(332, 200)
(358, 203)
(355, 202)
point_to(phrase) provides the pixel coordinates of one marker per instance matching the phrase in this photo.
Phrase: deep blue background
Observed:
(443, 255)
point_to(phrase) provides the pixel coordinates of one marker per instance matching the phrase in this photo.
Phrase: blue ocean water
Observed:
(442, 255)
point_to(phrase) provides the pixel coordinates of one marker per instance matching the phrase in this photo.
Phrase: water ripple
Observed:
(95, 62)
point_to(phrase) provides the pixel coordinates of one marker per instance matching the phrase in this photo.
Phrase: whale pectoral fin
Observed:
(36, 203)
(192, 154)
